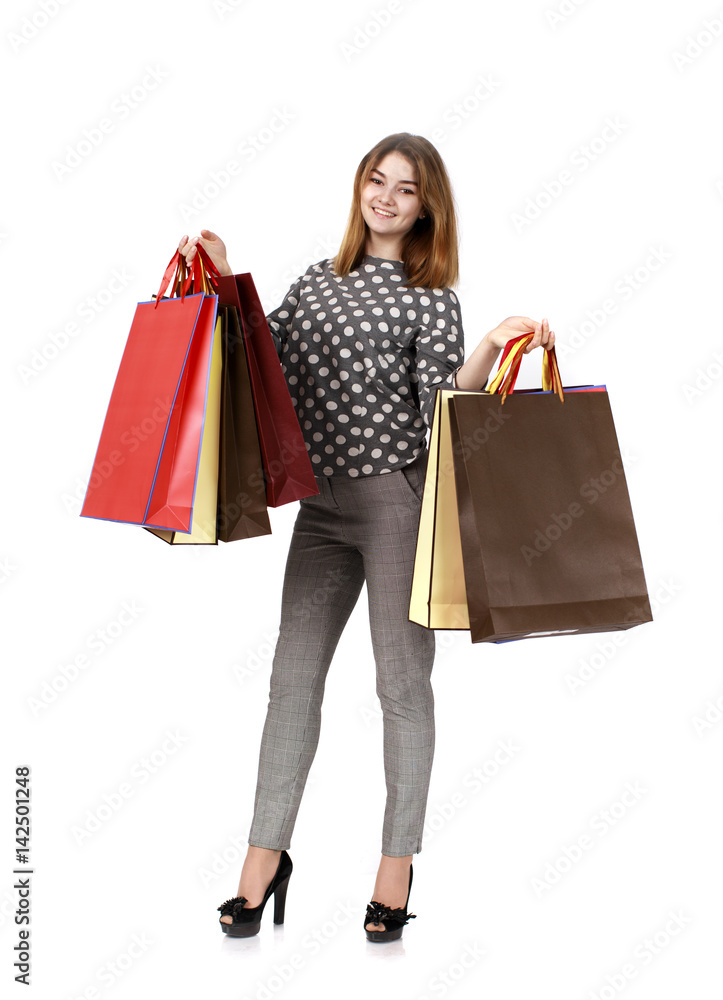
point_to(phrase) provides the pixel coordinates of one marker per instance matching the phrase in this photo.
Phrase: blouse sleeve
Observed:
(439, 349)
(279, 320)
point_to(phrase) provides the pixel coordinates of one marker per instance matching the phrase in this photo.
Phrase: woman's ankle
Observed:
(392, 861)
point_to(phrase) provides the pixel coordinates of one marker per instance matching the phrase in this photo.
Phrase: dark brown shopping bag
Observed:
(230, 502)
(242, 509)
(541, 520)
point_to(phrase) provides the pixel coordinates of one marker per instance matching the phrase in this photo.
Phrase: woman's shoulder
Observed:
(445, 294)
(313, 272)
(318, 270)
(442, 295)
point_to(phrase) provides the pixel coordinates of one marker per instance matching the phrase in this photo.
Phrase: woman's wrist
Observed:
(492, 345)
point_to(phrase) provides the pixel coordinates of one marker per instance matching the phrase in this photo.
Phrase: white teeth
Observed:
(380, 211)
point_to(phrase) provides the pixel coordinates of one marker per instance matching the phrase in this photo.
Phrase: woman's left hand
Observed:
(515, 326)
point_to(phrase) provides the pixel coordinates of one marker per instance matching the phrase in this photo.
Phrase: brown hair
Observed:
(429, 252)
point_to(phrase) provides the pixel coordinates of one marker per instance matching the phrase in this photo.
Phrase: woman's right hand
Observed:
(212, 244)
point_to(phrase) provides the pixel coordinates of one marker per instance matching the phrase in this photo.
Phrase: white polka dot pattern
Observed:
(362, 356)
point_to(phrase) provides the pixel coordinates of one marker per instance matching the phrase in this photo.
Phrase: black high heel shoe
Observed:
(247, 920)
(393, 920)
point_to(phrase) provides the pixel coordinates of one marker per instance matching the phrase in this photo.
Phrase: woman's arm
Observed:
(474, 372)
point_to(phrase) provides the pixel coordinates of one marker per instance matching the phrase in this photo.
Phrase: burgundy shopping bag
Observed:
(287, 469)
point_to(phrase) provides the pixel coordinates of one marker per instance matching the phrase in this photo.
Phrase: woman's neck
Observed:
(384, 249)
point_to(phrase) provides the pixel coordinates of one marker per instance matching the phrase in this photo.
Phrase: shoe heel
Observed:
(280, 900)
(246, 921)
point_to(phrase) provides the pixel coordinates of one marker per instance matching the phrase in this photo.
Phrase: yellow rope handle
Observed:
(504, 379)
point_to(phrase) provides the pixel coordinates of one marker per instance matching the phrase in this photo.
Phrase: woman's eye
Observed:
(375, 180)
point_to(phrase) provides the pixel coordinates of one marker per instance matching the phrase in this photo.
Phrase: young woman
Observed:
(364, 341)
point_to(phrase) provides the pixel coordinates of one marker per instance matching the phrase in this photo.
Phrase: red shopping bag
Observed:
(147, 458)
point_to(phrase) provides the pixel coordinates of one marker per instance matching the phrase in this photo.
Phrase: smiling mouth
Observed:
(384, 214)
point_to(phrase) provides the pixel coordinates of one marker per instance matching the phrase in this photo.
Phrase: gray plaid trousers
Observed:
(356, 530)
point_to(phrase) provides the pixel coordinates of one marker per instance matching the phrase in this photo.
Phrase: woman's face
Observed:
(390, 202)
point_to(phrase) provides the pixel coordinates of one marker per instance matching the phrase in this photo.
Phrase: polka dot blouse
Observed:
(362, 356)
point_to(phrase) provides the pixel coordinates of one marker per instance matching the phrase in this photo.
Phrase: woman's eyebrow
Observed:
(375, 171)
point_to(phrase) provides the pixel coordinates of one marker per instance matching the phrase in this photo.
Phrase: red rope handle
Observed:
(202, 272)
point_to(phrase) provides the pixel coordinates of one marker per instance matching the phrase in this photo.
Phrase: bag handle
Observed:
(202, 273)
(509, 366)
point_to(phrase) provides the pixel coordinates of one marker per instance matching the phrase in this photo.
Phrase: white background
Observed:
(314, 85)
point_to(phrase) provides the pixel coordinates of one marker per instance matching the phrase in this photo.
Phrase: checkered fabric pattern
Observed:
(355, 530)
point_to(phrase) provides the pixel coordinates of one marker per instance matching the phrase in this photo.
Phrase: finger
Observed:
(535, 342)
(549, 340)
(208, 235)
(545, 328)
(190, 250)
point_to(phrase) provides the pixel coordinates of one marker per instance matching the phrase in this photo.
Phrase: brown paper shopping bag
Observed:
(526, 526)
